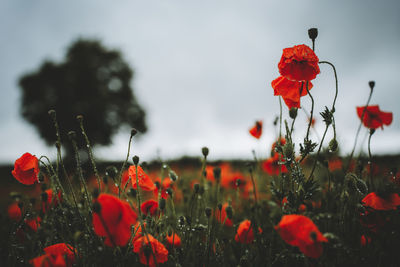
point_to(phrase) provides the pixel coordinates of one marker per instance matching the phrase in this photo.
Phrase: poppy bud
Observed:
(208, 211)
(371, 85)
(135, 160)
(293, 113)
(72, 135)
(132, 192)
(95, 193)
(133, 132)
(20, 205)
(229, 212)
(288, 150)
(173, 176)
(333, 145)
(196, 188)
(157, 183)
(52, 113)
(105, 180)
(205, 151)
(219, 206)
(161, 204)
(96, 207)
(217, 173)
(79, 118)
(313, 33)
(169, 191)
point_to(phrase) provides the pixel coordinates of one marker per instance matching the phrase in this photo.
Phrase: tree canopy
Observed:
(92, 81)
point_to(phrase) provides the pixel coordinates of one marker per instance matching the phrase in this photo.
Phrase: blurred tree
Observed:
(92, 81)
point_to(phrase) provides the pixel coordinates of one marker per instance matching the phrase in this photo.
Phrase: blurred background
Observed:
(189, 74)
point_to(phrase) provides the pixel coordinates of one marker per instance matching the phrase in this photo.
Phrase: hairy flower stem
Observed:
(254, 186)
(372, 131)
(123, 167)
(311, 112)
(80, 173)
(90, 152)
(358, 131)
(319, 150)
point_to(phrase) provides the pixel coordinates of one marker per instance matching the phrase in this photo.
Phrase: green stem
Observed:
(91, 157)
(312, 111)
(370, 158)
(123, 167)
(358, 131)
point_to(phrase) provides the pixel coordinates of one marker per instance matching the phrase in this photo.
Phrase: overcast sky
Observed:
(203, 68)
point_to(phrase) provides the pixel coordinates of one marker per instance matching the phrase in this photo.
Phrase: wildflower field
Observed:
(305, 205)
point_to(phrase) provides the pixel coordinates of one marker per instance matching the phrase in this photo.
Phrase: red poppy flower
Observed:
(145, 182)
(222, 217)
(299, 63)
(372, 200)
(26, 169)
(300, 231)
(114, 220)
(150, 249)
(373, 117)
(14, 212)
(149, 207)
(274, 165)
(173, 240)
(60, 255)
(365, 240)
(245, 234)
(291, 91)
(256, 130)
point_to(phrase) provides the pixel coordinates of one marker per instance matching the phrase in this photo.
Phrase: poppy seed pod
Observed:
(313, 33)
(333, 145)
(293, 113)
(133, 132)
(205, 151)
(135, 160)
(371, 85)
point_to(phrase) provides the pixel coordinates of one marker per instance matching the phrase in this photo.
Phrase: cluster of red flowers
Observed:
(298, 66)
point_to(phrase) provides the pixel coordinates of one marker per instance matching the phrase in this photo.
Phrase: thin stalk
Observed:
(319, 150)
(254, 187)
(90, 152)
(358, 131)
(312, 111)
(370, 158)
(123, 166)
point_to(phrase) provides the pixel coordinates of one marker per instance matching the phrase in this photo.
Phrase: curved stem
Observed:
(312, 111)
(370, 158)
(123, 167)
